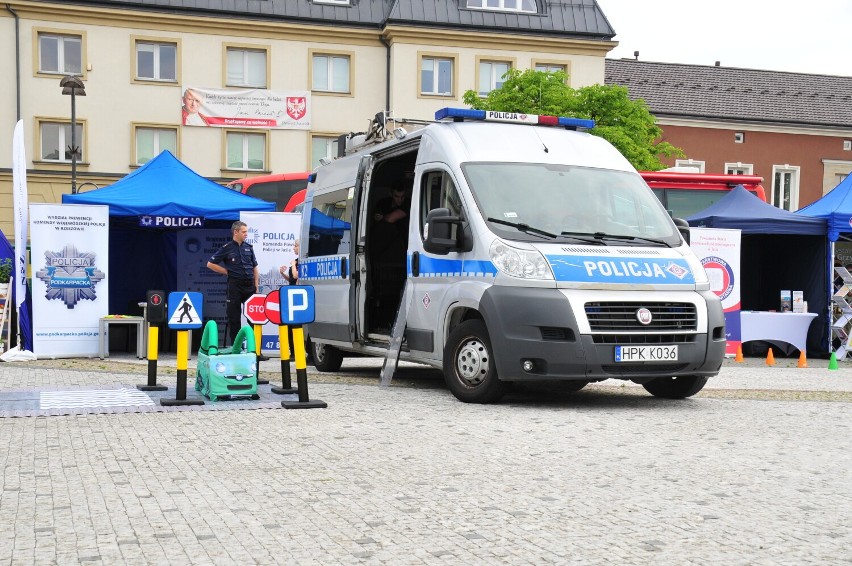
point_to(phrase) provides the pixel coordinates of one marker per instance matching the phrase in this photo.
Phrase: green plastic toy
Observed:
(226, 375)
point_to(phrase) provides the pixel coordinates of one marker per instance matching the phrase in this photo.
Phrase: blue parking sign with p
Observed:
(297, 304)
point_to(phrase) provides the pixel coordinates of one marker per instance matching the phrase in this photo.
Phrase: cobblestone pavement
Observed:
(756, 469)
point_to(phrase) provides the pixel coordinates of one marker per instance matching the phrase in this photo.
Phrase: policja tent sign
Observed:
(185, 310)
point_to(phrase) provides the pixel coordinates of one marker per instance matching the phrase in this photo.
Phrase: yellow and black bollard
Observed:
(153, 351)
(180, 388)
(258, 338)
(284, 349)
(302, 375)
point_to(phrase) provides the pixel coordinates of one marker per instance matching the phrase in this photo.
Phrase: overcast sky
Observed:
(813, 36)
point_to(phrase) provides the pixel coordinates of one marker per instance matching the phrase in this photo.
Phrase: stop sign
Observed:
(273, 307)
(255, 310)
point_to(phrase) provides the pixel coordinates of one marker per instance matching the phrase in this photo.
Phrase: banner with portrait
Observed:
(70, 283)
(246, 108)
(273, 236)
(719, 253)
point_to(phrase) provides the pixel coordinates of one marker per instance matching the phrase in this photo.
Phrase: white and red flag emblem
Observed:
(296, 107)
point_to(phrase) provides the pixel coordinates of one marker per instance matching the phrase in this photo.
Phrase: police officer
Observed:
(236, 260)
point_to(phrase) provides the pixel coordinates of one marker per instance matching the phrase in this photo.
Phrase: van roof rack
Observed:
(383, 126)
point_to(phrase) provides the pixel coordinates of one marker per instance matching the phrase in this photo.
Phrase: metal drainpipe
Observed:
(387, 73)
(17, 59)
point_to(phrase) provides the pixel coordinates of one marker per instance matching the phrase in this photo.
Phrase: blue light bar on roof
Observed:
(461, 114)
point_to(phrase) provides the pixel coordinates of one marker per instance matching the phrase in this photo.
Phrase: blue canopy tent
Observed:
(780, 250)
(142, 255)
(835, 208)
(8, 252)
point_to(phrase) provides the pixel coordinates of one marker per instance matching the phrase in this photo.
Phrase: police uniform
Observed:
(240, 261)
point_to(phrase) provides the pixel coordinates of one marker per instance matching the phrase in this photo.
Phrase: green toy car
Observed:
(226, 375)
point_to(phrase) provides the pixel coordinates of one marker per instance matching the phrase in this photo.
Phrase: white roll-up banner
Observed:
(273, 235)
(70, 269)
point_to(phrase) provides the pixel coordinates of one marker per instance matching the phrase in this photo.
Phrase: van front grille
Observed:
(626, 339)
(621, 317)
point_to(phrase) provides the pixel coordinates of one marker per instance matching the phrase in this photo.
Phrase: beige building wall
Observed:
(115, 101)
(583, 60)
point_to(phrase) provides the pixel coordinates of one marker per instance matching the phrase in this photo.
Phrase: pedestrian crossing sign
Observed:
(185, 310)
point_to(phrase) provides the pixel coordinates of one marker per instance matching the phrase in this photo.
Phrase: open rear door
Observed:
(357, 264)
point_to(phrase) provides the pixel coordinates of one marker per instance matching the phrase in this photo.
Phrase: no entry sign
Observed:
(255, 309)
(272, 306)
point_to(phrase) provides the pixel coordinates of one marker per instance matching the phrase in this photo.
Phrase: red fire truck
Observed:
(684, 194)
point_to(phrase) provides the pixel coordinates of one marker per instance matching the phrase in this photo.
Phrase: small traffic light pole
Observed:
(155, 314)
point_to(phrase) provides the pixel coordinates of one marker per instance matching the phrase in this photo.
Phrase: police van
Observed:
(529, 251)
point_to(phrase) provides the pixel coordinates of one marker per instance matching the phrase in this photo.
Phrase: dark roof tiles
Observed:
(565, 18)
(729, 93)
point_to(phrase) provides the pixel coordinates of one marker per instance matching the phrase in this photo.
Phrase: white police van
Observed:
(531, 251)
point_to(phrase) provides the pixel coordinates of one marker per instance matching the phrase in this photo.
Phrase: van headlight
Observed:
(514, 262)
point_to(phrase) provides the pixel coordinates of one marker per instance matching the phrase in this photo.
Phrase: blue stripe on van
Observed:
(322, 268)
(436, 267)
(608, 269)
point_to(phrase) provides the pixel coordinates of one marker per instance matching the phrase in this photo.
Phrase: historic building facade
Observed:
(349, 58)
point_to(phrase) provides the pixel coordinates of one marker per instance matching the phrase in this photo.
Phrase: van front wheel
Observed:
(469, 370)
(326, 358)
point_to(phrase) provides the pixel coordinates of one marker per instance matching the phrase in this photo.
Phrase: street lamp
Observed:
(74, 86)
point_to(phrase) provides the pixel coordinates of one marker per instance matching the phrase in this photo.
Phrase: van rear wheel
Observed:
(675, 387)
(326, 358)
(469, 370)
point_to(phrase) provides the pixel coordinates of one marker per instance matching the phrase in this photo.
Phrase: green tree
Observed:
(626, 124)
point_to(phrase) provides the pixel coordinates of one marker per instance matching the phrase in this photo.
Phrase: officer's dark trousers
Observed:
(238, 291)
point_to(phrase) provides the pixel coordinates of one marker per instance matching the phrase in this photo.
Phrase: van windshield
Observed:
(567, 202)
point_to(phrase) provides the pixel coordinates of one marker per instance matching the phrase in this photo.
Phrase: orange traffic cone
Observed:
(739, 356)
(770, 358)
(803, 361)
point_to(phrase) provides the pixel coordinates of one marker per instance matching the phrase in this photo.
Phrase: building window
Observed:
(436, 76)
(322, 147)
(246, 151)
(56, 141)
(847, 145)
(491, 75)
(60, 54)
(509, 5)
(550, 68)
(696, 166)
(739, 137)
(739, 168)
(785, 187)
(330, 73)
(156, 61)
(246, 67)
(150, 142)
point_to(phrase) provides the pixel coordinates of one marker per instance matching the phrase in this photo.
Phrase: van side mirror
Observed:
(439, 229)
(683, 228)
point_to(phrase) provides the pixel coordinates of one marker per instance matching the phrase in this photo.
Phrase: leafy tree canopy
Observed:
(626, 124)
